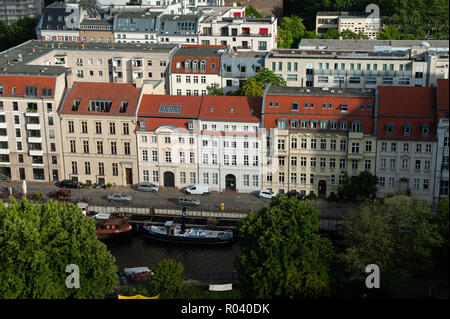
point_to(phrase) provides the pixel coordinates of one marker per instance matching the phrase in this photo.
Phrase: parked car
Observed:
(188, 201)
(68, 184)
(294, 193)
(147, 187)
(61, 194)
(198, 189)
(266, 193)
(119, 198)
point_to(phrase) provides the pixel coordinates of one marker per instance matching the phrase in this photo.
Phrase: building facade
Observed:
(406, 140)
(313, 136)
(98, 122)
(357, 22)
(13, 10)
(30, 140)
(194, 68)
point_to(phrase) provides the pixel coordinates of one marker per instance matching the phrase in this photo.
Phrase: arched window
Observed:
(203, 66)
(407, 129)
(389, 129)
(282, 124)
(334, 124)
(356, 126)
(314, 124)
(343, 125)
(294, 123)
(304, 123)
(425, 129)
(187, 65)
(195, 66)
(323, 124)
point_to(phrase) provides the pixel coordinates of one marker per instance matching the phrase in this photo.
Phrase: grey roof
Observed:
(312, 91)
(16, 59)
(136, 21)
(367, 45)
(354, 14)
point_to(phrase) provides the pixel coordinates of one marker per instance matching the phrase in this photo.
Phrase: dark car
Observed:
(68, 184)
(294, 193)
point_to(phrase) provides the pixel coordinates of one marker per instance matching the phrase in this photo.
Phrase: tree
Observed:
(442, 220)
(167, 277)
(292, 28)
(256, 85)
(331, 34)
(396, 233)
(252, 87)
(391, 32)
(214, 89)
(360, 186)
(16, 33)
(282, 254)
(37, 242)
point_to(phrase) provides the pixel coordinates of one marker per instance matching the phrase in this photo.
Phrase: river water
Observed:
(137, 251)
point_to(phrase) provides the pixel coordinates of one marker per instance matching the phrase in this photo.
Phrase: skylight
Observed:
(169, 108)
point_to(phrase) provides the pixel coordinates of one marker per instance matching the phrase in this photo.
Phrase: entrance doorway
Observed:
(55, 175)
(322, 188)
(22, 173)
(169, 179)
(230, 182)
(129, 176)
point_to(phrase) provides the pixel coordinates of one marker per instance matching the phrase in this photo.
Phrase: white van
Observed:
(198, 189)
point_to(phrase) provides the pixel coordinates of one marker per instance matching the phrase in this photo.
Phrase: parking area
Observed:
(168, 198)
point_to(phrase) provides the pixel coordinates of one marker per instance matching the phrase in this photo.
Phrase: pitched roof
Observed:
(442, 92)
(89, 91)
(20, 83)
(402, 106)
(231, 108)
(189, 106)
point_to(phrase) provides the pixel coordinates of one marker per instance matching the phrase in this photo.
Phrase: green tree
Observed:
(362, 186)
(256, 85)
(391, 32)
(252, 87)
(331, 34)
(282, 254)
(285, 39)
(167, 277)
(292, 28)
(37, 242)
(397, 234)
(442, 220)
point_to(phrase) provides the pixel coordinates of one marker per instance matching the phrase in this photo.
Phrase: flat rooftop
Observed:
(16, 60)
(368, 45)
(310, 91)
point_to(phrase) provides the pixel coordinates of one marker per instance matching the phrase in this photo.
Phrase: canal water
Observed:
(137, 251)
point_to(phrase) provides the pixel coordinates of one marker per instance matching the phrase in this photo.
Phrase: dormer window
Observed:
(195, 66)
(203, 66)
(313, 123)
(123, 106)
(294, 106)
(425, 129)
(407, 129)
(232, 110)
(270, 104)
(142, 124)
(343, 125)
(277, 105)
(389, 129)
(323, 124)
(294, 123)
(187, 65)
(178, 65)
(356, 126)
(344, 107)
(76, 104)
(281, 124)
(304, 124)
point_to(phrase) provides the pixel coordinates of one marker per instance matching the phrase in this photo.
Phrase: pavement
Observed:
(168, 198)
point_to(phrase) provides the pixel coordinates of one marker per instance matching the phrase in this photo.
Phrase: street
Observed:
(168, 198)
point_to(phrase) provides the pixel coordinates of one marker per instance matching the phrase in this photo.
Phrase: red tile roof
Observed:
(442, 98)
(150, 105)
(231, 108)
(115, 92)
(8, 82)
(406, 105)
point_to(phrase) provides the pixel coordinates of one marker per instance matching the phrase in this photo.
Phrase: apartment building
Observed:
(236, 67)
(98, 122)
(30, 140)
(194, 68)
(406, 140)
(167, 140)
(178, 28)
(441, 176)
(13, 10)
(357, 22)
(60, 22)
(312, 136)
(230, 27)
(92, 30)
(96, 62)
(230, 144)
(136, 27)
(353, 68)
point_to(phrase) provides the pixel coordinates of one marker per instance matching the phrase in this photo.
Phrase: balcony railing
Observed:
(362, 73)
(263, 35)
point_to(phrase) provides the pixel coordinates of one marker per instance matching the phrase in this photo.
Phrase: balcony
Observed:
(34, 139)
(35, 152)
(32, 126)
(31, 113)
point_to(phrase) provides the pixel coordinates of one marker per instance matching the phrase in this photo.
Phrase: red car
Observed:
(61, 194)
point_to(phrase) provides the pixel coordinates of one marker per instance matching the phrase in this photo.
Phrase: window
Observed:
(84, 128)
(86, 147)
(112, 128)
(126, 146)
(368, 146)
(392, 163)
(355, 148)
(99, 147)
(126, 130)
(343, 145)
(155, 176)
(281, 177)
(113, 148)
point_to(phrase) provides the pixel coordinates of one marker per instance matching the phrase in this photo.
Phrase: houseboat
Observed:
(110, 226)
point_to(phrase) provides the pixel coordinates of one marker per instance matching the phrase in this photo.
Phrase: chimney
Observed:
(69, 80)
